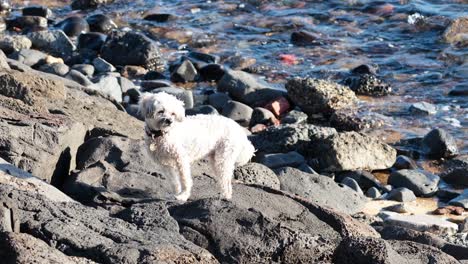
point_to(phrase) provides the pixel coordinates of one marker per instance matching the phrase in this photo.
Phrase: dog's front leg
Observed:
(185, 178)
(172, 174)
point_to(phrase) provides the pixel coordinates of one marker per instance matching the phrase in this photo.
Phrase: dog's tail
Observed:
(246, 154)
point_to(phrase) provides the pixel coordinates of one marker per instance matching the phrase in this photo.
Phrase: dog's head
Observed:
(161, 110)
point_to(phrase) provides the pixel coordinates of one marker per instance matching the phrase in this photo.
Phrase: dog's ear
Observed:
(145, 105)
(180, 113)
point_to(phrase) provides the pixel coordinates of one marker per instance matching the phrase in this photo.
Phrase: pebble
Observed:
(401, 195)
(185, 72)
(404, 162)
(102, 66)
(279, 160)
(422, 183)
(423, 108)
(373, 193)
(352, 183)
(86, 69)
(238, 112)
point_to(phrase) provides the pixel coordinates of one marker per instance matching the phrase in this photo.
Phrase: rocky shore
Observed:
(76, 185)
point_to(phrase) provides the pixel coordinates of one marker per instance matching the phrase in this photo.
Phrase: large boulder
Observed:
(456, 171)
(133, 49)
(54, 42)
(315, 96)
(439, 144)
(353, 151)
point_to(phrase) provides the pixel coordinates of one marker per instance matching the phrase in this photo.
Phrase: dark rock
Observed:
(74, 26)
(30, 57)
(212, 72)
(459, 90)
(262, 116)
(79, 78)
(456, 171)
(256, 173)
(423, 108)
(422, 183)
(351, 183)
(14, 43)
(320, 189)
(101, 23)
(88, 4)
(27, 23)
(319, 96)
(294, 117)
(91, 41)
(401, 195)
(148, 85)
(185, 72)
(37, 11)
(448, 191)
(373, 193)
(202, 109)
(159, 17)
(345, 120)
(204, 57)
(305, 38)
(86, 69)
(278, 160)
(134, 49)
(108, 85)
(461, 200)
(185, 96)
(133, 94)
(353, 151)
(439, 144)
(218, 100)
(404, 162)
(238, 112)
(59, 69)
(125, 84)
(54, 42)
(133, 110)
(153, 75)
(366, 83)
(102, 66)
(365, 179)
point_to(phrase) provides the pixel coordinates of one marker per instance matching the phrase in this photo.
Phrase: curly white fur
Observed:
(187, 139)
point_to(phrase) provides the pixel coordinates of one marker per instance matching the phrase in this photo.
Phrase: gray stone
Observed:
(54, 42)
(351, 183)
(316, 96)
(14, 43)
(401, 195)
(261, 115)
(184, 95)
(202, 109)
(108, 85)
(29, 57)
(238, 112)
(28, 23)
(79, 78)
(185, 72)
(397, 208)
(294, 117)
(320, 189)
(461, 200)
(278, 160)
(59, 69)
(148, 85)
(365, 179)
(439, 144)
(373, 193)
(353, 151)
(456, 170)
(4, 61)
(102, 65)
(86, 69)
(422, 223)
(218, 100)
(448, 191)
(125, 84)
(422, 183)
(256, 173)
(306, 168)
(423, 108)
(404, 162)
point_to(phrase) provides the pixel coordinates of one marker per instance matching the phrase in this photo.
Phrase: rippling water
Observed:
(411, 57)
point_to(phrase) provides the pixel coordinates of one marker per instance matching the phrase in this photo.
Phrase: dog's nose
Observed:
(167, 121)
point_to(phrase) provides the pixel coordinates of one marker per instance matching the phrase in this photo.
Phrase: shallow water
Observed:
(411, 57)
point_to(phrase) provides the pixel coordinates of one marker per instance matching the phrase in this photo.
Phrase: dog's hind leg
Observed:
(224, 161)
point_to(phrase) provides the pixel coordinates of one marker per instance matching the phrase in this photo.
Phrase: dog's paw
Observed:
(183, 196)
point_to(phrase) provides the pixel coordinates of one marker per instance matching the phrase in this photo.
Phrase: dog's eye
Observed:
(161, 111)
(172, 114)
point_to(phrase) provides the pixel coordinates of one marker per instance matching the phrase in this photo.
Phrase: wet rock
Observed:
(345, 120)
(88, 4)
(319, 96)
(27, 23)
(73, 26)
(366, 82)
(148, 85)
(422, 223)
(54, 42)
(238, 112)
(151, 75)
(134, 49)
(285, 138)
(256, 173)
(101, 23)
(373, 193)
(351, 183)
(14, 43)
(86, 69)
(278, 160)
(320, 189)
(423, 108)
(439, 144)
(294, 117)
(29, 57)
(109, 85)
(456, 171)
(245, 88)
(159, 17)
(78, 77)
(92, 41)
(305, 38)
(202, 109)
(218, 100)
(365, 179)
(262, 116)
(459, 90)
(59, 69)
(457, 30)
(196, 57)
(461, 200)
(185, 72)
(353, 151)
(185, 96)
(447, 191)
(401, 195)
(278, 106)
(404, 162)
(422, 183)
(37, 11)
(102, 66)
(212, 72)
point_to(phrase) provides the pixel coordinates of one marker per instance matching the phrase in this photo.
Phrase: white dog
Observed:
(175, 142)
